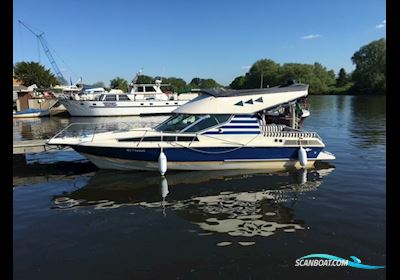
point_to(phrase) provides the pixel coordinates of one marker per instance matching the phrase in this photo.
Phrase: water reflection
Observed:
(237, 203)
(25, 175)
(27, 129)
(368, 122)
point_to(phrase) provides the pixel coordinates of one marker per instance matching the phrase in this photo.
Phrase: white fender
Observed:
(302, 156)
(162, 163)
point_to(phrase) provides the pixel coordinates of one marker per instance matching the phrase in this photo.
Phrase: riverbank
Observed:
(345, 90)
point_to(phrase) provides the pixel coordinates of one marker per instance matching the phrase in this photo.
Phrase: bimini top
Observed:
(248, 101)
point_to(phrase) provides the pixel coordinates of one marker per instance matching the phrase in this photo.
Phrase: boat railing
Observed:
(280, 130)
(86, 132)
(293, 134)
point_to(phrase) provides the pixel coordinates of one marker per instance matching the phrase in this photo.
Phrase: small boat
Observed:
(31, 113)
(218, 130)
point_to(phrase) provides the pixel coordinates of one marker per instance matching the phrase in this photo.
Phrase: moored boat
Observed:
(31, 113)
(142, 99)
(218, 130)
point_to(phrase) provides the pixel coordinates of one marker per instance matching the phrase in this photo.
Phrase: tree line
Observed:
(369, 76)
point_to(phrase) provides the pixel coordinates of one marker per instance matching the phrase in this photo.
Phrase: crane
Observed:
(46, 49)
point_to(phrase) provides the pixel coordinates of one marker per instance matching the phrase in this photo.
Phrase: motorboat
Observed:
(141, 99)
(31, 113)
(218, 130)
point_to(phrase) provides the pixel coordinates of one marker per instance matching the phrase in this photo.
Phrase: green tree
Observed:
(98, 84)
(238, 83)
(370, 74)
(195, 82)
(119, 83)
(177, 84)
(300, 72)
(209, 83)
(265, 68)
(203, 83)
(316, 75)
(144, 79)
(33, 73)
(342, 79)
(322, 79)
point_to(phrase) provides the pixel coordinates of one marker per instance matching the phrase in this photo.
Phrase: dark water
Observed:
(72, 221)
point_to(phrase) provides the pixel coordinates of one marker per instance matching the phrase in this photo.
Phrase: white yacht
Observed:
(220, 129)
(142, 99)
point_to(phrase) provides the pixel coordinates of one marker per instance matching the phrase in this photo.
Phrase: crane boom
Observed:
(46, 49)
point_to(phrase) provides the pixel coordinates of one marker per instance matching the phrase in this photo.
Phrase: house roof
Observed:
(17, 82)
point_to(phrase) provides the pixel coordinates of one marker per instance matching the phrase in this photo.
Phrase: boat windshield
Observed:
(191, 123)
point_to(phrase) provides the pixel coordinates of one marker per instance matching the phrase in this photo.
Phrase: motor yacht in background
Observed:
(141, 99)
(218, 130)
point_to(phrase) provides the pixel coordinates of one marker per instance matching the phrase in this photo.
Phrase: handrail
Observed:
(94, 132)
(55, 136)
(141, 139)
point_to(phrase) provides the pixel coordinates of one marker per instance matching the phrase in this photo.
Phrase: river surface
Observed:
(72, 221)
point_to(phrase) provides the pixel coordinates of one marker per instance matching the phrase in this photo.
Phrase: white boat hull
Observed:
(124, 164)
(120, 108)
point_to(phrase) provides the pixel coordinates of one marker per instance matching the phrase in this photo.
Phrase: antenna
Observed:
(134, 80)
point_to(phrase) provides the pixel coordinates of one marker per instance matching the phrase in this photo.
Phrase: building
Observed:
(17, 86)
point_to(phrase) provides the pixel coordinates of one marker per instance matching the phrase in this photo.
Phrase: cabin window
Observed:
(100, 97)
(191, 123)
(177, 123)
(111, 98)
(139, 89)
(123, 97)
(149, 89)
(207, 121)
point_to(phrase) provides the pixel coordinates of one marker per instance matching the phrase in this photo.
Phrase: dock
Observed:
(32, 146)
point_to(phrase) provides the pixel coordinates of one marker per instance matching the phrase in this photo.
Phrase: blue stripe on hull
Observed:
(207, 154)
(240, 126)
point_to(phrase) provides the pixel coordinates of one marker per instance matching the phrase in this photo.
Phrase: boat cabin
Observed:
(240, 112)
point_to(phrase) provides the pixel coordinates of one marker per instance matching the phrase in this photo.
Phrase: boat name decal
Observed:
(110, 104)
(136, 150)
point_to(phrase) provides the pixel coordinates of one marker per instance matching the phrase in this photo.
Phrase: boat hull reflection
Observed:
(235, 202)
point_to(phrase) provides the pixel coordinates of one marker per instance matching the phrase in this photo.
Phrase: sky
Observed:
(218, 39)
